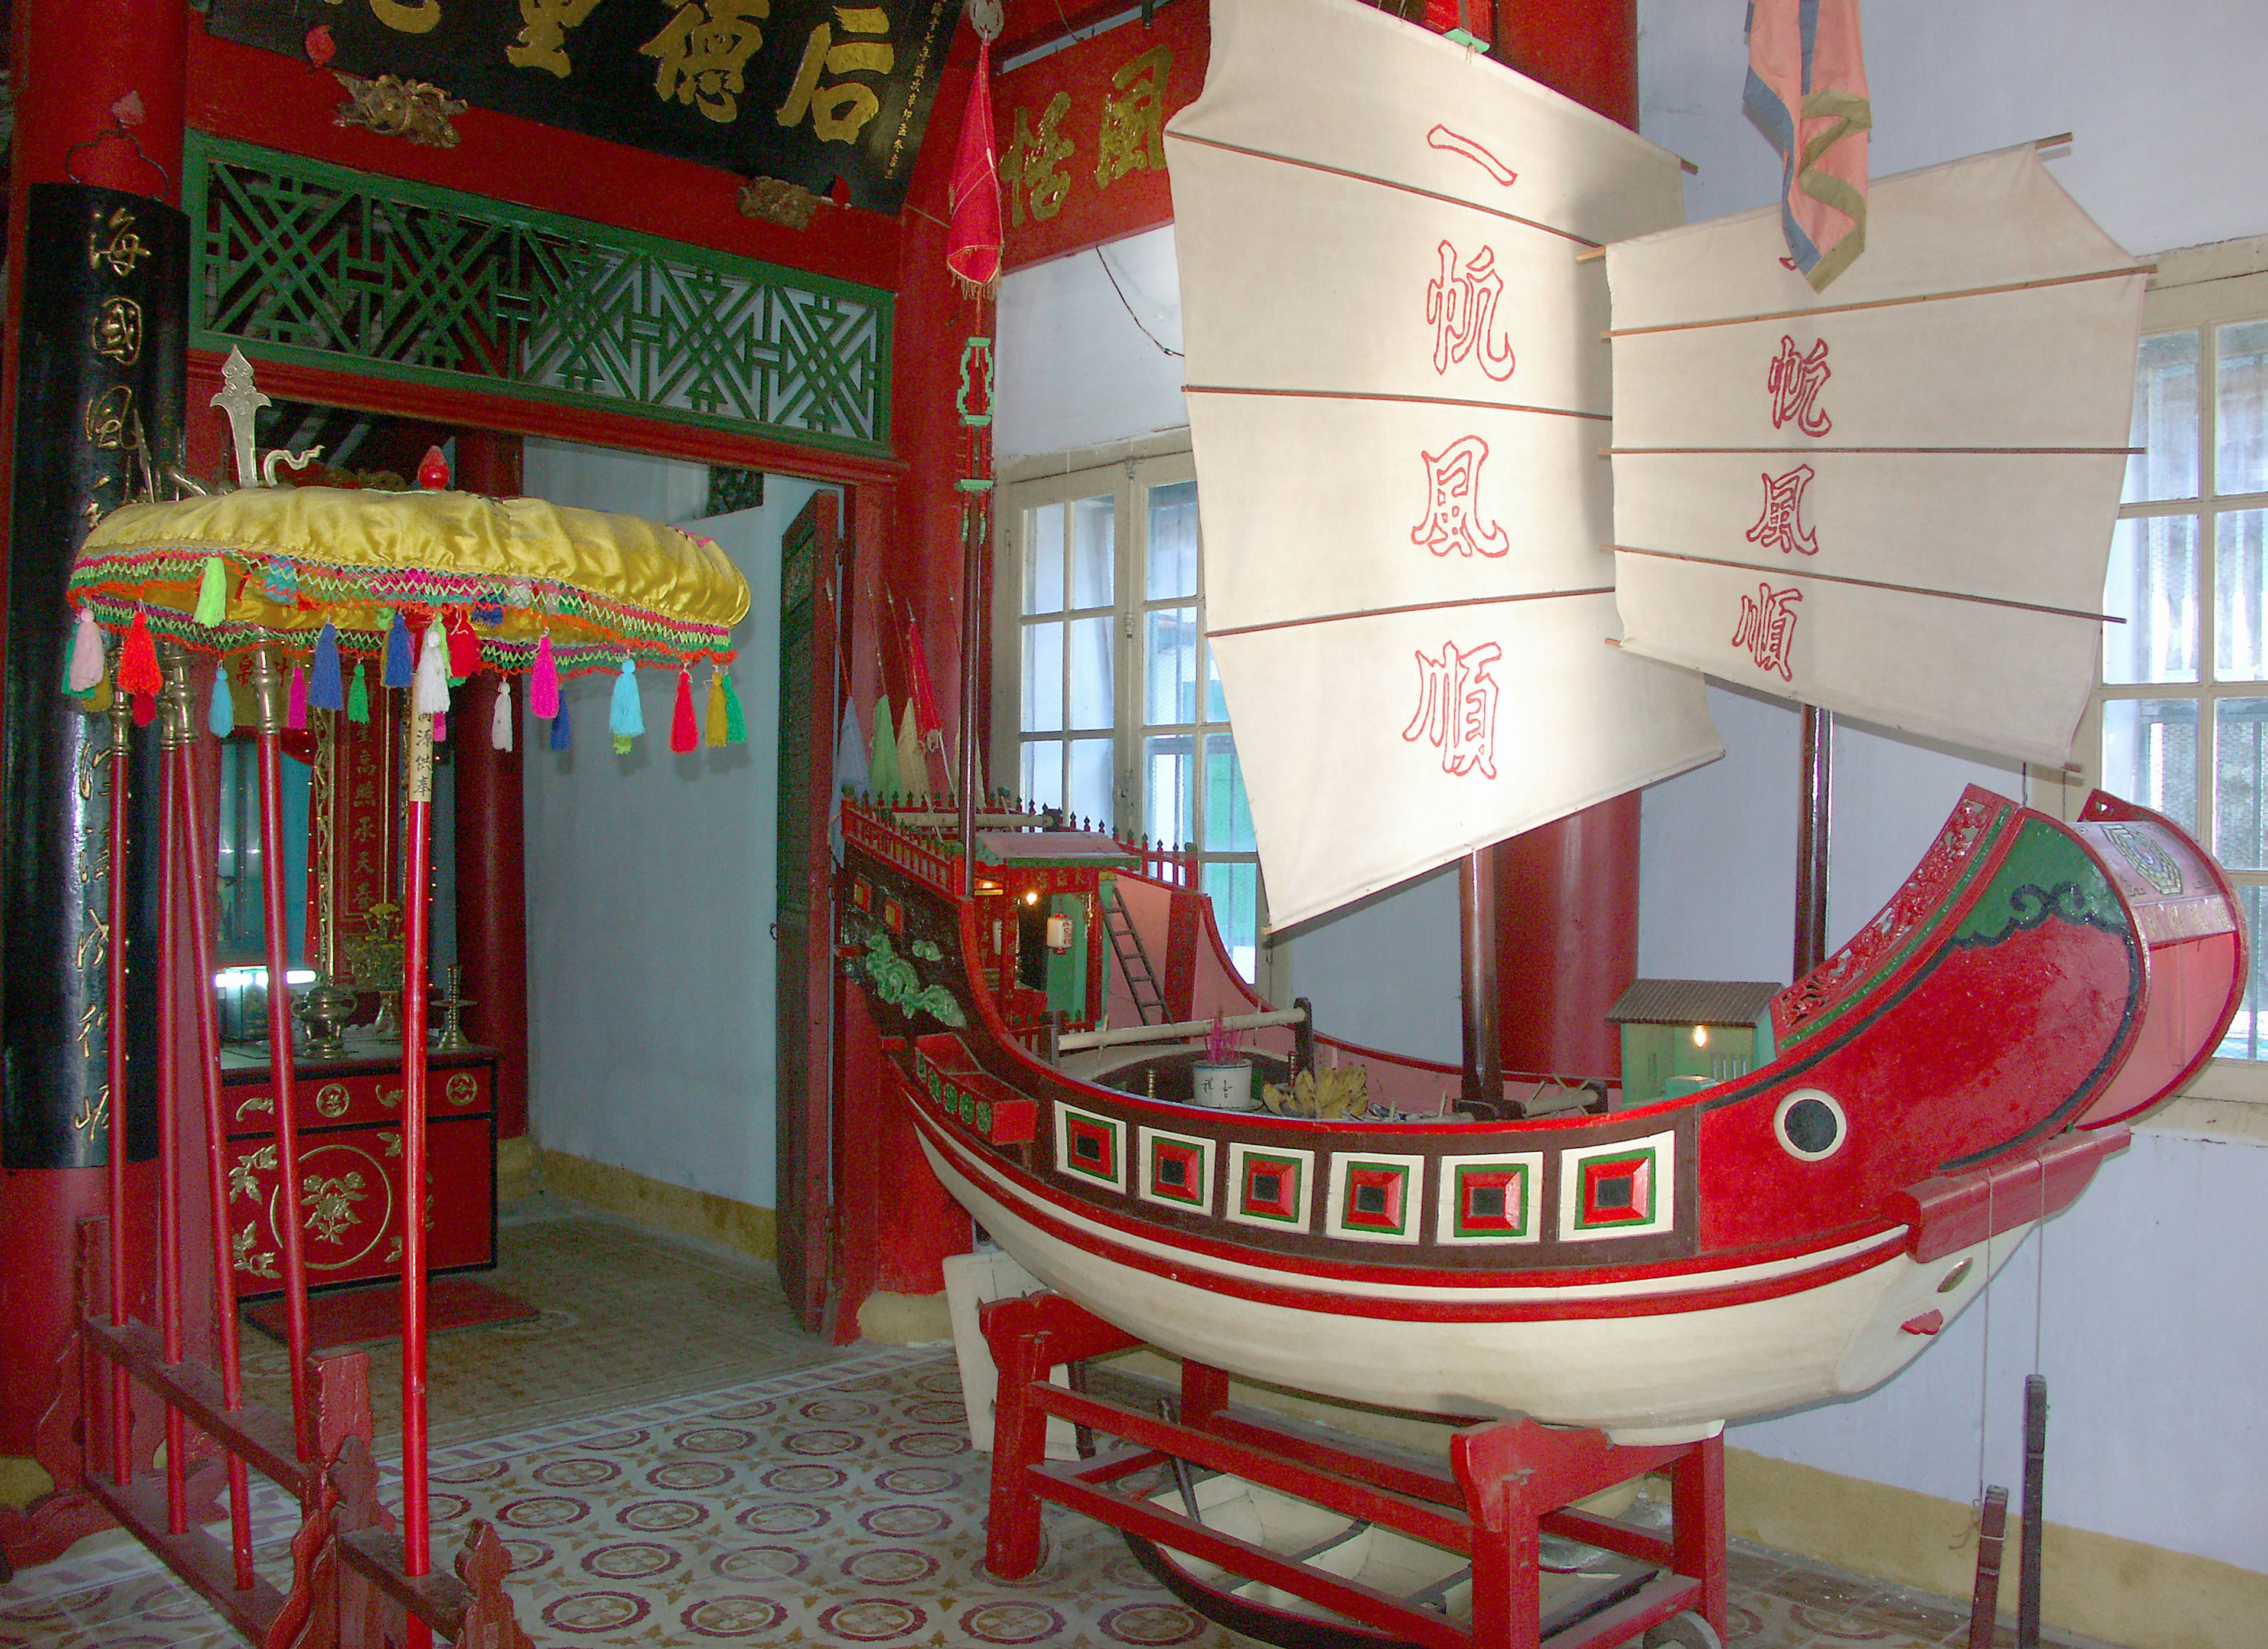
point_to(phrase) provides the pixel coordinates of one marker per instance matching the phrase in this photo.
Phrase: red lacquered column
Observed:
(196, 848)
(416, 941)
(267, 680)
(121, 1411)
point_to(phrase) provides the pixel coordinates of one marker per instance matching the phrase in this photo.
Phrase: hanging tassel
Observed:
(440, 727)
(324, 691)
(358, 698)
(560, 736)
(137, 661)
(432, 696)
(626, 717)
(543, 682)
(500, 719)
(145, 709)
(212, 594)
(220, 716)
(464, 646)
(96, 700)
(736, 725)
(684, 732)
(399, 670)
(295, 714)
(87, 653)
(713, 717)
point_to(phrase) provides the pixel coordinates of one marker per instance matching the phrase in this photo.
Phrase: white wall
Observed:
(2153, 1319)
(650, 881)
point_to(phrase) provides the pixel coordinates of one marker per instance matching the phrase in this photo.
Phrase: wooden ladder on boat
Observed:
(1133, 960)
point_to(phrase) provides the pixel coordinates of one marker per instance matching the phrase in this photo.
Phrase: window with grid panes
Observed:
(2181, 720)
(1118, 714)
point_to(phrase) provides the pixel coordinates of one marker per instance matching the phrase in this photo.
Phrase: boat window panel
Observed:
(2152, 583)
(1044, 693)
(1228, 813)
(1043, 559)
(1094, 551)
(1043, 774)
(2240, 587)
(2165, 420)
(1093, 793)
(1170, 664)
(1167, 762)
(1173, 541)
(1094, 689)
(2241, 409)
(1234, 886)
(2240, 833)
(2149, 755)
(2243, 1038)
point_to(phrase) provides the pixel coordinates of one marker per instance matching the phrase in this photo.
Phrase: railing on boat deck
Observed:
(917, 840)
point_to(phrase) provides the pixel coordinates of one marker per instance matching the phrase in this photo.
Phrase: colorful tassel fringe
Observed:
(464, 646)
(324, 691)
(736, 725)
(86, 654)
(220, 716)
(137, 661)
(295, 712)
(684, 732)
(400, 669)
(543, 682)
(358, 697)
(712, 717)
(500, 718)
(212, 593)
(561, 736)
(432, 681)
(625, 716)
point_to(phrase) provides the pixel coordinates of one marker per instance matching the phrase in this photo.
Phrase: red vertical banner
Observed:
(1081, 134)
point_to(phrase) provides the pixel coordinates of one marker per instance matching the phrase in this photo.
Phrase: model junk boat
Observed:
(1441, 617)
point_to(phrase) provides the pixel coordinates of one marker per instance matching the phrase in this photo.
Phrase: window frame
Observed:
(1126, 471)
(2198, 289)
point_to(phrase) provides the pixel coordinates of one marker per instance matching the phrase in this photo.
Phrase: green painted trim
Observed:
(861, 379)
(2045, 872)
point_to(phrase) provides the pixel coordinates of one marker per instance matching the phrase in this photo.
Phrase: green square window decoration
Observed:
(320, 266)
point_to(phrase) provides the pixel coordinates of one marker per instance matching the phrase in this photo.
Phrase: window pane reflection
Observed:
(2242, 1039)
(2165, 420)
(2149, 755)
(1173, 541)
(2152, 584)
(2240, 593)
(1093, 681)
(1092, 784)
(1043, 678)
(1166, 764)
(1234, 889)
(1043, 559)
(1227, 813)
(2241, 409)
(1170, 664)
(1043, 773)
(2241, 740)
(1094, 525)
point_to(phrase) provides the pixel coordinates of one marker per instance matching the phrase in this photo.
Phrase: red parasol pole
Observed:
(196, 848)
(266, 678)
(416, 943)
(172, 758)
(121, 1412)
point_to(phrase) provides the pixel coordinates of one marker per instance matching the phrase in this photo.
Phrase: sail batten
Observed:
(1899, 505)
(1396, 371)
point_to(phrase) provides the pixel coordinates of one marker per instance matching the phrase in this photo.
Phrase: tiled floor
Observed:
(660, 1489)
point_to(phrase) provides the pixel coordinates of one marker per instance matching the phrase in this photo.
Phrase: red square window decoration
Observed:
(1375, 1195)
(894, 915)
(1272, 1186)
(1618, 1191)
(1092, 1147)
(1492, 1199)
(1177, 1173)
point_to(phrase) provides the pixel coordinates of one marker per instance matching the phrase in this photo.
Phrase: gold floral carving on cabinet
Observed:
(332, 1099)
(463, 1088)
(251, 1263)
(330, 1204)
(241, 1180)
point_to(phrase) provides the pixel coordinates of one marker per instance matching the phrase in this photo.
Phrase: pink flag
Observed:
(1807, 91)
(973, 244)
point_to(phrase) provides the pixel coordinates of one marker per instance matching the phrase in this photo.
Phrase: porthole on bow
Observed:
(1810, 1124)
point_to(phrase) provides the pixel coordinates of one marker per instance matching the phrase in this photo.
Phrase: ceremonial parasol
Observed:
(293, 585)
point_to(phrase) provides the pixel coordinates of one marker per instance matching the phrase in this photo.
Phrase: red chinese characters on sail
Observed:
(1453, 518)
(1473, 150)
(1794, 379)
(1457, 708)
(1767, 628)
(1461, 308)
(1781, 527)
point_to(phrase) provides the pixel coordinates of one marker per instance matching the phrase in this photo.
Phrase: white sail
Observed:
(1398, 395)
(1894, 501)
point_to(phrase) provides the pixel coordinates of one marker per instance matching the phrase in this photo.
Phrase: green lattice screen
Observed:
(306, 262)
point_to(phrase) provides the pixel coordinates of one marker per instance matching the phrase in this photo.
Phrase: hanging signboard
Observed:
(806, 90)
(1081, 134)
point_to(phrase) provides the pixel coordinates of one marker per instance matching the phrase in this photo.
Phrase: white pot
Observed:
(1225, 1087)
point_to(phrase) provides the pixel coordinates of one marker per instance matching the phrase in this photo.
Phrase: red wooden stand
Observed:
(1507, 1483)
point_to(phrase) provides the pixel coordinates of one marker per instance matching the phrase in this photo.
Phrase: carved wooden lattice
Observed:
(316, 264)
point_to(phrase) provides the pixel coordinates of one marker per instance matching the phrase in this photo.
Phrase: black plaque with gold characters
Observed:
(804, 91)
(100, 355)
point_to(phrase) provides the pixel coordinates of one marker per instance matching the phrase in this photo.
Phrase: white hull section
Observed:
(1648, 1377)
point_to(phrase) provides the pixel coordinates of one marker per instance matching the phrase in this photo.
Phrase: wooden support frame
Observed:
(1507, 1483)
